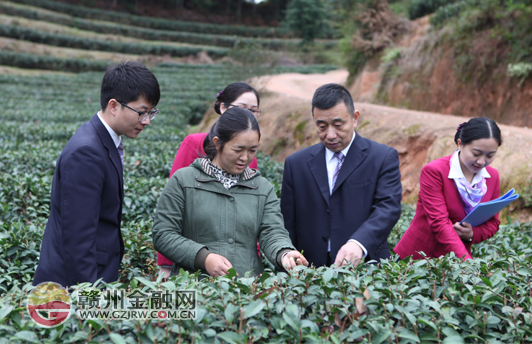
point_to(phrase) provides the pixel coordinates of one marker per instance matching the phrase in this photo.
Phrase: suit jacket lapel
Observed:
(456, 202)
(355, 156)
(109, 144)
(318, 169)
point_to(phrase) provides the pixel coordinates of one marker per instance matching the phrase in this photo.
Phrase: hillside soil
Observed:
(430, 75)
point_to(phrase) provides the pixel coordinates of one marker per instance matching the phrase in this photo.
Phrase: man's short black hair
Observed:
(329, 95)
(126, 82)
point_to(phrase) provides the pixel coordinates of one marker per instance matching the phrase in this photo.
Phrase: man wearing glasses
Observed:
(82, 241)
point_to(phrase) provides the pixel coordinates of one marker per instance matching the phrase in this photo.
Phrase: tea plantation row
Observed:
(42, 113)
(77, 11)
(216, 39)
(486, 300)
(60, 40)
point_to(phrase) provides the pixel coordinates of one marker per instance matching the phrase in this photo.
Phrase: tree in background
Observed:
(239, 11)
(306, 18)
(368, 30)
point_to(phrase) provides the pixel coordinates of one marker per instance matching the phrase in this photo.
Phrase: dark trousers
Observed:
(328, 261)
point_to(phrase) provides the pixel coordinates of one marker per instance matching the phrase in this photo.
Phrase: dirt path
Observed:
(300, 85)
(303, 86)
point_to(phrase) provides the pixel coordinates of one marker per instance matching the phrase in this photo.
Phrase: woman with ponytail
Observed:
(238, 94)
(450, 187)
(211, 214)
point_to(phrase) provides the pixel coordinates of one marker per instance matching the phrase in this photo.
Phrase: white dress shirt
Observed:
(114, 136)
(331, 162)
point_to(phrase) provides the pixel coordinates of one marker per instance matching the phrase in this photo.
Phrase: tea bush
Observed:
(420, 8)
(30, 61)
(302, 69)
(484, 300)
(506, 23)
(451, 10)
(520, 71)
(42, 113)
(60, 40)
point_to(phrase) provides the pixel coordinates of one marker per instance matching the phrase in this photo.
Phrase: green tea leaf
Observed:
(253, 308)
(406, 334)
(328, 275)
(27, 336)
(117, 339)
(381, 336)
(231, 337)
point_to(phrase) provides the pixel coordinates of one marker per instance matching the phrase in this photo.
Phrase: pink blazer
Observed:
(438, 207)
(190, 149)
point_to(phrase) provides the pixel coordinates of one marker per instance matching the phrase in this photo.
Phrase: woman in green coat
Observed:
(211, 213)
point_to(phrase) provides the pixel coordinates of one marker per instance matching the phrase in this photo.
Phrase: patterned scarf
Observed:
(227, 179)
(471, 195)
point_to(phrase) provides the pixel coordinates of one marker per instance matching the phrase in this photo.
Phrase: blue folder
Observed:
(485, 211)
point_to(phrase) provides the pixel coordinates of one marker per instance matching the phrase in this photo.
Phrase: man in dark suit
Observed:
(341, 197)
(82, 241)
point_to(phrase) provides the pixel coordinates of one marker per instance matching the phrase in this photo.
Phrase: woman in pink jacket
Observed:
(237, 94)
(450, 187)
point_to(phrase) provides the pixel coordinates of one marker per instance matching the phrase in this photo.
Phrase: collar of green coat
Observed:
(203, 165)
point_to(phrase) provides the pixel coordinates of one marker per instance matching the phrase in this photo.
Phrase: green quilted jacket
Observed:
(195, 211)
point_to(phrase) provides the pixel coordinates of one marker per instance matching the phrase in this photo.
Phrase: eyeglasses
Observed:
(254, 111)
(144, 114)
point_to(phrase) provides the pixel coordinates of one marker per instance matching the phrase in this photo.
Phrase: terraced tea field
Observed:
(51, 35)
(43, 112)
(484, 300)
(425, 301)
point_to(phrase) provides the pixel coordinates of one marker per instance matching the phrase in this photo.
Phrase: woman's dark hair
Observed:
(233, 121)
(478, 128)
(231, 93)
